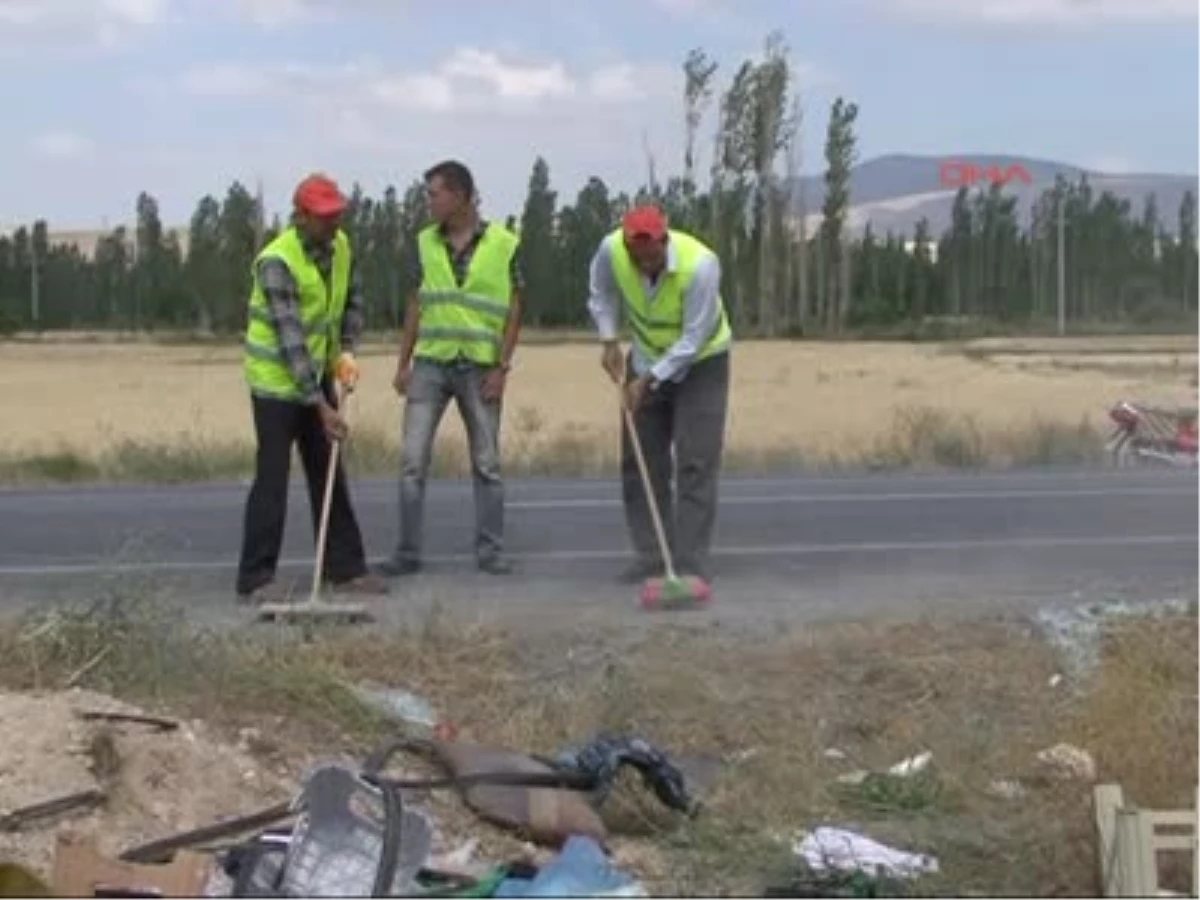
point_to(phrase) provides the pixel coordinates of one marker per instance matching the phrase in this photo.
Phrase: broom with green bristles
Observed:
(671, 591)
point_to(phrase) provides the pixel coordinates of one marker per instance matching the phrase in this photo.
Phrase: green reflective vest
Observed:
(658, 324)
(321, 308)
(464, 320)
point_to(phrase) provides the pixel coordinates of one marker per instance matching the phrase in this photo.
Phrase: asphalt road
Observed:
(796, 548)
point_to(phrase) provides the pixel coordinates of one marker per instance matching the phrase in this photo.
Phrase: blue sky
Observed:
(104, 98)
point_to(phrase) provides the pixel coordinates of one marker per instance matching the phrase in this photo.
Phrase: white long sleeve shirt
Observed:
(701, 309)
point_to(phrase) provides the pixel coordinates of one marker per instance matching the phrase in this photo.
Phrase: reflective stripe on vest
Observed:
(657, 324)
(464, 321)
(321, 309)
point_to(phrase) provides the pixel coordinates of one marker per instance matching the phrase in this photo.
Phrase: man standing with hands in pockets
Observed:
(459, 335)
(304, 322)
(676, 383)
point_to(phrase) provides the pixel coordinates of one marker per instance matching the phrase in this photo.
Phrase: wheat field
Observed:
(812, 402)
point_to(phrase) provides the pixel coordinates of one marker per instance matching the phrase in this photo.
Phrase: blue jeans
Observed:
(432, 386)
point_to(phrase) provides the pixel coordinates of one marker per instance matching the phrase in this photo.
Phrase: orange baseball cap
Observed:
(319, 196)
(645, 221)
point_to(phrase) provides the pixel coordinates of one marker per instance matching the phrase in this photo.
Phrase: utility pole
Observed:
(1062, 270)
(260, 216)
(35, 289)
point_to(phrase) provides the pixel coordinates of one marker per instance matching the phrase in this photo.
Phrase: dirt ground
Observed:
(156, 782)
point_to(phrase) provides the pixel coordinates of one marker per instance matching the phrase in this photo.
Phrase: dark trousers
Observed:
(682, 430)
(278, 426)
(432, 386)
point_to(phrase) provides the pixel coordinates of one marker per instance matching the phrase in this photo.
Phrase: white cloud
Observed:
(61, 145)
(509, 80)
(90, 24)
(279, 13)
(1041, 12)
(468, 79)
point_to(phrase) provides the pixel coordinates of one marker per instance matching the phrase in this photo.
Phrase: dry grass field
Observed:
(781, 717)
(94, 409)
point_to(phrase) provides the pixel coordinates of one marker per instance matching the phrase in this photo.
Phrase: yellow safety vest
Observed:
(321, 309)
(659, 324)
(464, 320)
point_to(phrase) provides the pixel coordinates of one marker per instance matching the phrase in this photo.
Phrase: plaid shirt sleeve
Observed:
(516, 270)
(283, 308)
(352, 317)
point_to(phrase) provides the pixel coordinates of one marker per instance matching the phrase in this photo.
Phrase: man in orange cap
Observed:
(305, 319)
(668, 285)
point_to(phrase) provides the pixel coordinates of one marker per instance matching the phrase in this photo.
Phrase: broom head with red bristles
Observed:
(685, 592)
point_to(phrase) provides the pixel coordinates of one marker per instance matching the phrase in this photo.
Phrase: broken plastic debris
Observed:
(398, 704)
(581, 869)
(838, 849)
(835, 753)
(912, 765)
(856, 777)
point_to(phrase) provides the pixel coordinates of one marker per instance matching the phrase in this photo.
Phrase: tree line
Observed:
(1119, 264)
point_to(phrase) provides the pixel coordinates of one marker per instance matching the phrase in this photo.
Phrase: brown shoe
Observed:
(368, 585)
(271, 592)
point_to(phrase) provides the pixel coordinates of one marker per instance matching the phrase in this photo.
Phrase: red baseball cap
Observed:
(319, 195)
(646, 221)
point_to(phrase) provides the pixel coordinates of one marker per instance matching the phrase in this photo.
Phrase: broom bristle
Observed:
(679, 592)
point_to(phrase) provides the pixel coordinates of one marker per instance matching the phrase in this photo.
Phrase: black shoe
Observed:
(495, 565)
(640, 570)
(397, 568)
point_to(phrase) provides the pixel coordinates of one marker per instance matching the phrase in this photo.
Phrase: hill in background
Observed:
(895, 191)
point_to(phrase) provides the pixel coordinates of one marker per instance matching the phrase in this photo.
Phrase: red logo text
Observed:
(953, 174)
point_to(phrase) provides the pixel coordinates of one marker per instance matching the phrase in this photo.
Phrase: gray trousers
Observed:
(682, 431)
(432, 386)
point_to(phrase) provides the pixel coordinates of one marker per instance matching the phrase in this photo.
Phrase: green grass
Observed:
(921, 438)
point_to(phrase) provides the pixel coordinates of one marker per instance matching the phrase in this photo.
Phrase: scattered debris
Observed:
(909, 786)
(912, 765)
(80, 870)
(839, 849)
(154, 781)
(1006, 789)
(399, 705)
(136, 718)
(603, 758)
(1075, 630)
(1066, 761)
(36, 812)
(581, 869)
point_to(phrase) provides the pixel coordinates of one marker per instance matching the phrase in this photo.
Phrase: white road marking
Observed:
(892, 497)
(760, 550)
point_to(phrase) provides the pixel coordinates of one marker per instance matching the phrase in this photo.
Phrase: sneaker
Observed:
(368, 585)
(640, 570)
(495, 565)
(268, 592)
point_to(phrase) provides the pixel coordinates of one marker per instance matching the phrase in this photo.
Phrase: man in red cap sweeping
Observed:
(461, 327)
(667, 284)
(305, 319)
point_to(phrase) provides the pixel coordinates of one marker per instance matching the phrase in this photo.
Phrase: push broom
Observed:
(314, 608)
(671, 591)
